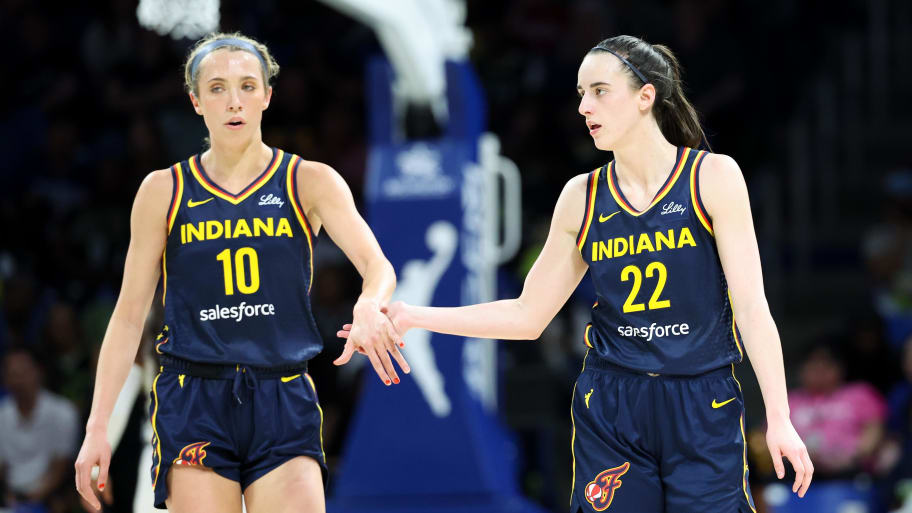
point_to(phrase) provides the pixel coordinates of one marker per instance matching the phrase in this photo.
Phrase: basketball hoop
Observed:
(180, 19)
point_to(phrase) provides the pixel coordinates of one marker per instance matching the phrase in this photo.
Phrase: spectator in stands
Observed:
(841, 423)
(39, 434)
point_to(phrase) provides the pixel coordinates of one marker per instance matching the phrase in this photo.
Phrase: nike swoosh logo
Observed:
(286, 379)
(723, 403)
(603, 217)
(191, 203)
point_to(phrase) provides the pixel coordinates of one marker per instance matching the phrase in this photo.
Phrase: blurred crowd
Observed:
(93, 102)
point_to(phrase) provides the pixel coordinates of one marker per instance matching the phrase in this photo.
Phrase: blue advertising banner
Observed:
(433, 443)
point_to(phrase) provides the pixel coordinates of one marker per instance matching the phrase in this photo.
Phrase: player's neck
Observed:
(646, 158)
(224, 162)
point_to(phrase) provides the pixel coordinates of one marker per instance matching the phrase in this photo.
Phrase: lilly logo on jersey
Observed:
(671, 208)
(600, 491)
(270, 199)
(192, 455)
(642, 243)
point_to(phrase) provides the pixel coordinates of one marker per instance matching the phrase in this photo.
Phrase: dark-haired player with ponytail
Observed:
(665, 230)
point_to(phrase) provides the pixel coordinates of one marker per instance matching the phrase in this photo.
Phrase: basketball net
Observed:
(180, 19)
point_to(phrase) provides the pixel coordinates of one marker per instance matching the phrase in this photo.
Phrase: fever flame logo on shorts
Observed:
(600, 491)
(192, 455)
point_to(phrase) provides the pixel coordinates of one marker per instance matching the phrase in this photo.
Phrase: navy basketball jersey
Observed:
(237, 270)
(663, 303)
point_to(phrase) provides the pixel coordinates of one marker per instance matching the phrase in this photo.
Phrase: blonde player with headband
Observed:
(231, 233)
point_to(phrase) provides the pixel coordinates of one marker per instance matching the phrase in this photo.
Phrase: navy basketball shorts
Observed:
(646, 443)
(239, 421)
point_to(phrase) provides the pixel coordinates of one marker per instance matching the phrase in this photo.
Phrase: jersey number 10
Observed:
(654, 302)
(240, 273)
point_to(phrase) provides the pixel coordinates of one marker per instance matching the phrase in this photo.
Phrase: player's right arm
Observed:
(554, 276)
(148, 236)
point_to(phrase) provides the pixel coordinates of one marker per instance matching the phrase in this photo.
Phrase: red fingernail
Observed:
(101, 486)
(396, 381)
(387, 382)
(401, 344)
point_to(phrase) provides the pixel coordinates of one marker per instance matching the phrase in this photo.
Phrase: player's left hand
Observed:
(373, 335)
(107, 495)
(783, 440)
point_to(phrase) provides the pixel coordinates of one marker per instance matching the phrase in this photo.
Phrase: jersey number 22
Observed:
(654, 302)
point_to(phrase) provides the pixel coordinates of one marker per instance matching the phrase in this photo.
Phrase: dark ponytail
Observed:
(676, 116)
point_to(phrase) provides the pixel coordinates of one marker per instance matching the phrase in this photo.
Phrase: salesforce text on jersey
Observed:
(659, 331)
(238, 313)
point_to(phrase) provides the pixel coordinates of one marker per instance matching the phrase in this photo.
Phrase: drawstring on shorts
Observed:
(246, 376)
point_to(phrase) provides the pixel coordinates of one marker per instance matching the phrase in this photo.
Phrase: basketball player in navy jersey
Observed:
(231, 233)
(665, 231)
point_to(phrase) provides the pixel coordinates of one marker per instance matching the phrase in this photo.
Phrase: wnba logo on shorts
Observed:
(192, 455)
(600, 491)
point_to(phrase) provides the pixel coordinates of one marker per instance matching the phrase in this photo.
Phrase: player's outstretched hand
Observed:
(397, 312)
(95, 451)
(783, 440)
(373, 335)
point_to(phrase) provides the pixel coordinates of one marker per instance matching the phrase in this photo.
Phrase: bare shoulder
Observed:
(316, 172)
(571, 204)
(574, 190)
(159, 177)
(156, 187)
(318, 181)
(719, 173)
(312, 166)
(721, 181)
(153, 199)
(577, 184)
(715, 163)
